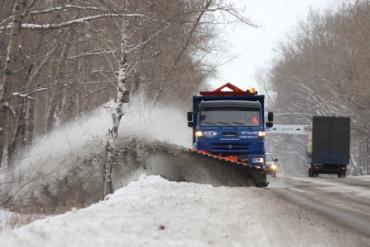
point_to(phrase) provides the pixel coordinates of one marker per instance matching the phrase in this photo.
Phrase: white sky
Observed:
(253, 49)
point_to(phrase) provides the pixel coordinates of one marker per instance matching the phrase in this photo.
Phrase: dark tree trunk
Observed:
(9, 74)
(17, 138)
(30, 119)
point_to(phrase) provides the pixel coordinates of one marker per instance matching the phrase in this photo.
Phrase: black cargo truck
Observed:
(330, 150)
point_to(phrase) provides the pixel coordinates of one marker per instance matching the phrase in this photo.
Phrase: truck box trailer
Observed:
(330, 150)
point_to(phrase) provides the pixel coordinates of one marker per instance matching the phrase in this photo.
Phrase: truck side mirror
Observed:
(270, 120)
(190, 117)
(270, 116)
(190, 124)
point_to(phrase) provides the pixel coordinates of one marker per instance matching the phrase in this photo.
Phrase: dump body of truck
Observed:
(330, 145)
(231, 125)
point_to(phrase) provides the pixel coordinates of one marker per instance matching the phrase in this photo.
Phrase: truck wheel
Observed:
(261, 184)
(342, 174)
(259, 177)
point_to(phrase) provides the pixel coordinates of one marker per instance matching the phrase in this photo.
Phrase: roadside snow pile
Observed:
(10, 220)
(4, 215)
(151, 212)
(156, 212)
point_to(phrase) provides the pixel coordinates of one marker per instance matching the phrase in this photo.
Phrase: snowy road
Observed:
(156, 212)
(345, 202)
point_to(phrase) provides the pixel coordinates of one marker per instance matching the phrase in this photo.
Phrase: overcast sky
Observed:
(253, 48)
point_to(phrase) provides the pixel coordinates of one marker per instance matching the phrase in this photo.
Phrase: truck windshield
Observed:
(229, 117)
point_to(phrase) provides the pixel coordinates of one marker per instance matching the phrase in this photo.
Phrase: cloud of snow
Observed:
(161, 123)
(57, 152)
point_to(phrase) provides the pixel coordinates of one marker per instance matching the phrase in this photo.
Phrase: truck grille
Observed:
(230, 134)
(229, 147)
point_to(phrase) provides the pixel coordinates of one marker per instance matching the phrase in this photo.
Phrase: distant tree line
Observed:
(324, 69)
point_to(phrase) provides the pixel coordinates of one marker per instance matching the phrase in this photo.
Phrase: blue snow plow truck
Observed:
(229, 125)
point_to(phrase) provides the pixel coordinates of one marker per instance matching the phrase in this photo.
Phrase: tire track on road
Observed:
(330, 205)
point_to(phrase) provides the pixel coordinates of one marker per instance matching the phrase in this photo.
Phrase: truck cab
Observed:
(230, 124)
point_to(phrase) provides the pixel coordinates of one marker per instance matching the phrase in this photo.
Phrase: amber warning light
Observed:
(229, 89)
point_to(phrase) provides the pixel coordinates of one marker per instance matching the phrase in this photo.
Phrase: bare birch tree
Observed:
(121, 100)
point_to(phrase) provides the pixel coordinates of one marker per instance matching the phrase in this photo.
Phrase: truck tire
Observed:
(311, 173)
(342, 174)
(261, 184)
(259, 177)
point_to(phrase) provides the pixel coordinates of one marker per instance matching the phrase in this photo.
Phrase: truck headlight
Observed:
(274, 167)
(198, 133)
(257, 160)
(261, 133)
(210, 133)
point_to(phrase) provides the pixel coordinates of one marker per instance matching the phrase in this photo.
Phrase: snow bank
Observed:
(156, 212)
(10, 220)
(149, 212)
(4, 215)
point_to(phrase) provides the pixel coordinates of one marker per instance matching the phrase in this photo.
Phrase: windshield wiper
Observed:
(206, 122)
(226, 124)
(222, 122)
(217, 123)
(239, 123)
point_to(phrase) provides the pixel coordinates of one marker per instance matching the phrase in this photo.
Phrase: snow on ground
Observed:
(4, 215)
(10, 220)
(156, 212)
